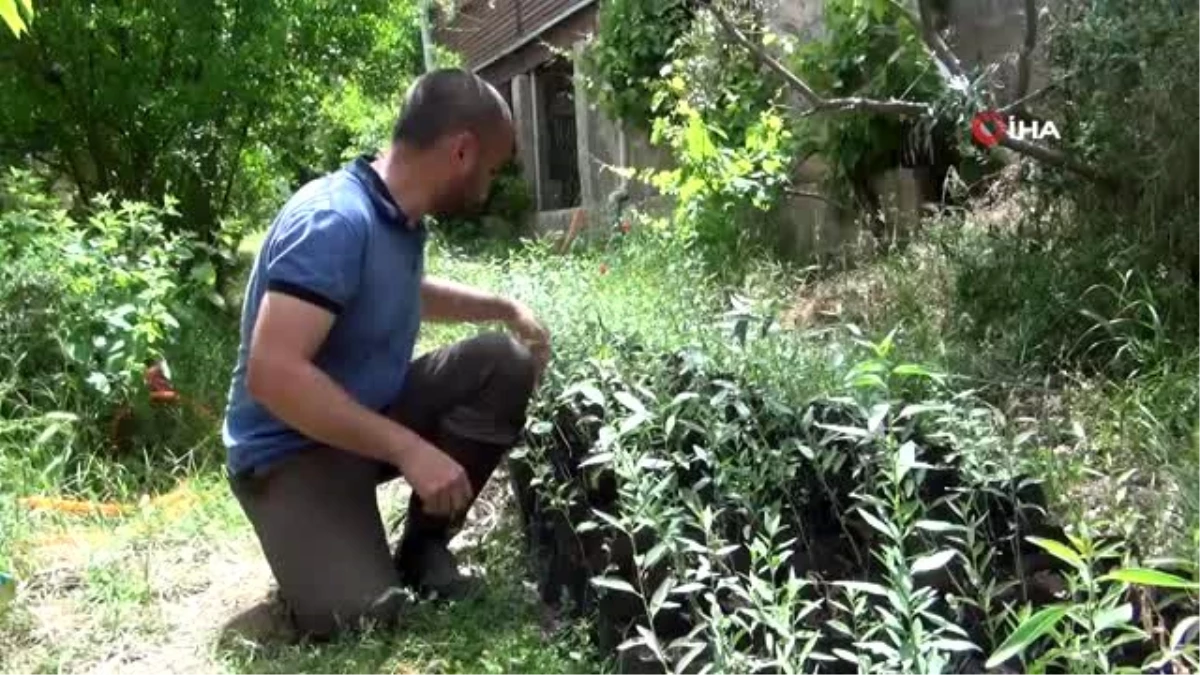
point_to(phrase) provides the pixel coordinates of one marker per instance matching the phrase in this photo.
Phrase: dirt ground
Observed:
(155, 592)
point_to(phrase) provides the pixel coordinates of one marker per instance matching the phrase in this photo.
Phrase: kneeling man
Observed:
(326, 401)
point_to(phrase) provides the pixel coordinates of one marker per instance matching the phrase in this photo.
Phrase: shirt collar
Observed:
(381, 197)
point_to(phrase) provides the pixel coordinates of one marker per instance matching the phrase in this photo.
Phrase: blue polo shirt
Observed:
(341, 243)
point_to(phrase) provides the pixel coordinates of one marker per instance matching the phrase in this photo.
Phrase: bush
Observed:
(89, 302)
(1120, 71)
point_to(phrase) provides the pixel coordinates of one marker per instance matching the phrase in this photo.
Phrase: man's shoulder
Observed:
(333, 200)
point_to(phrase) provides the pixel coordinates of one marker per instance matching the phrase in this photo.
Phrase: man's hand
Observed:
(530, 331)
(443, 300)
(440, 481)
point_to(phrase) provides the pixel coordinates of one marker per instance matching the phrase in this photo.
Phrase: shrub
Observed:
(89, 301)
(1120, 71)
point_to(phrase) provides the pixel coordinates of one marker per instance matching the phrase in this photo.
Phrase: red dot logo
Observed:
(989, 128)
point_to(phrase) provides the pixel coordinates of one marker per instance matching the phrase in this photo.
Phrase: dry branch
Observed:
(1051, 156)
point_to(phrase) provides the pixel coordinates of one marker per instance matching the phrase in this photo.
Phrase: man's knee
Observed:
(511, 363)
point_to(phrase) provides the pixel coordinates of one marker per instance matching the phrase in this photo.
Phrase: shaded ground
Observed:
(153, 592)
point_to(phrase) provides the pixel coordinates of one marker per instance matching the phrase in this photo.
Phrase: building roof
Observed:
(499, 38)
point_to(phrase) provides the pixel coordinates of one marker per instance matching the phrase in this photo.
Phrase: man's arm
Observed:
(282, 377)
(443, 300)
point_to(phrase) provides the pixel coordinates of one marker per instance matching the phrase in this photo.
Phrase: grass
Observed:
(151, 589)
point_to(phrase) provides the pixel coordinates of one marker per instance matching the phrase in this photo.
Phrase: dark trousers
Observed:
(315, 512)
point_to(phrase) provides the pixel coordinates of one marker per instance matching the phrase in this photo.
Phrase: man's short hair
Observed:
(448, 101)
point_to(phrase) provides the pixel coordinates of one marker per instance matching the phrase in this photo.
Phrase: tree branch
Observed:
(1025, 99)
(791, 192)
(1051, 156)
(940, 51)
(810, 95)
(933, 39)
(1025, 57)
(815, 100)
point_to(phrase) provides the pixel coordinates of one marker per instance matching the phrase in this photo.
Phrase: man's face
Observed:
(471, 165)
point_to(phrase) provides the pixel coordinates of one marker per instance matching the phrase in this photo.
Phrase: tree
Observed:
(207, 101)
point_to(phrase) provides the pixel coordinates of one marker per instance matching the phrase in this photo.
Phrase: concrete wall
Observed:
(603, 146)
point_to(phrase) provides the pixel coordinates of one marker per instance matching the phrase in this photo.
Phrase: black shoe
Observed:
(430, 569)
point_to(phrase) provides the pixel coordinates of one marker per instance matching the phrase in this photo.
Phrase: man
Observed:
(326, 402)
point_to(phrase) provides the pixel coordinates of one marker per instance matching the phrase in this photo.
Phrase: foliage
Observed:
(721, 183)
(211, 103)
(721, 119)
(866, 50)
(90, 302)
(633, 43)
(878, 528)
(12, 12)
(1120, 71)
(727, 122)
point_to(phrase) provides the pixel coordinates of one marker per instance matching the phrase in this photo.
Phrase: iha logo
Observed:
(990, 127)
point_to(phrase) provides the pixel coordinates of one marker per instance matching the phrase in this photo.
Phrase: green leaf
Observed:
(1027, 633)
(912, 370)
(690, 587)
(863, 586)
(597, 459)
(948, 645)
(1148, 577)
(631, 423)
(937, 526)
(630, 401)
(1180, 634)
(687, 659)
(1058, 550)
(660, 595)
(853, 432)
(906, 458)
(698, 144)
(585, 389)
(1111, 618)
(934, 561)
(920, 409)
(878, 414)
(100, 383)
(205, 274)
(876, 523)
(12, 17)
(651, 640)
(615, 584)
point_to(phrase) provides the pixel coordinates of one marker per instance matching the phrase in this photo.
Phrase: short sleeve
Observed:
(318, 259)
